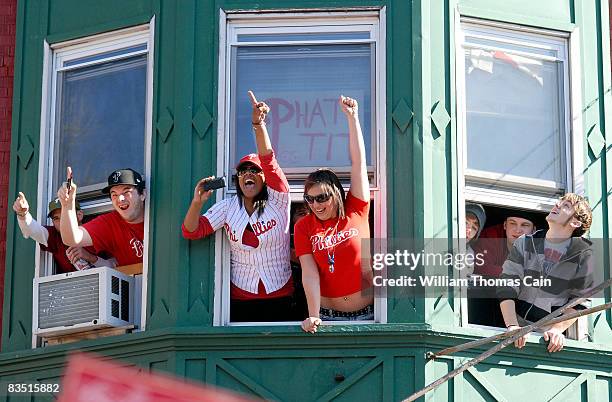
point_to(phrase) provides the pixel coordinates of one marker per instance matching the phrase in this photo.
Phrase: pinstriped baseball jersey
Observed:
(268, 261)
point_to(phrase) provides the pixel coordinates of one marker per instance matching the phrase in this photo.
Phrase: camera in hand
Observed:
(214, 184)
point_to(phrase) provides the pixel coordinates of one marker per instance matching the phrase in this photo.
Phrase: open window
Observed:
(300, 64)
(96, 117)
(519, 134)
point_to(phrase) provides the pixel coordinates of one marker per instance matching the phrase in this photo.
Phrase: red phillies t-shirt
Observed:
(57, 248)
(124, 241)
(320, 238)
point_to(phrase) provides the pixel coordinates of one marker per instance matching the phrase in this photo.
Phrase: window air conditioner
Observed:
(82, 301)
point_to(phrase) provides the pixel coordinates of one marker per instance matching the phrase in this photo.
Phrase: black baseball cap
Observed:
(124, 176)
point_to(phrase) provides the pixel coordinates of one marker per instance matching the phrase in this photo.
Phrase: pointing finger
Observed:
(252, 97)
(21, 195)
(68, 173)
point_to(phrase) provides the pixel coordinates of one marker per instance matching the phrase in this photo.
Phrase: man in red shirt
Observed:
(120, 232)
(494, 244)
(496, 241)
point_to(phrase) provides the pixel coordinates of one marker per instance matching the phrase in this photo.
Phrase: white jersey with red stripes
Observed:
(270, 260)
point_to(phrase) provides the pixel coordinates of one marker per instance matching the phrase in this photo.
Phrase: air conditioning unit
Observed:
(82, 301)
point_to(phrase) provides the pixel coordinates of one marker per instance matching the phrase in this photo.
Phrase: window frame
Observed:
(339, 21)
(53, 54)
(543, 193)
(574, 133)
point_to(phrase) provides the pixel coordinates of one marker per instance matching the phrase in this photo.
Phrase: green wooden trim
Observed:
(605, 89)
(171, 350)
(96, 29)
(568, 390)
(491, 389)
(261, 391)
(521, 19)
(351, 380)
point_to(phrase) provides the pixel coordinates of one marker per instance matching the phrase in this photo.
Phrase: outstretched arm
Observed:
(360, 187)
(72, 233)
(200, 196)
(310, 280)
(508, 310)
(28, 225)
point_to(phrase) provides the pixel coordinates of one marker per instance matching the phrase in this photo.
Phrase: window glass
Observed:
(301, 84)
(514, 102)
(100, 119)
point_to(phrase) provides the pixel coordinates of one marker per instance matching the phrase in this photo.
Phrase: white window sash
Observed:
(469, 190)
(54, 55)
(270, 23)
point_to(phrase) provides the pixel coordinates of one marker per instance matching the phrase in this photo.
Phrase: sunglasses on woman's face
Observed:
(320, 198)
(252, 170)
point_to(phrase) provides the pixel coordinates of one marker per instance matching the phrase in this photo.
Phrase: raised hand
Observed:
(21, 206)
(349, 106)
(260, 110)
(200, 196)
(67, 191)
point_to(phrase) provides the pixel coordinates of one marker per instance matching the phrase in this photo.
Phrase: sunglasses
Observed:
(252, 170)
(320, 198)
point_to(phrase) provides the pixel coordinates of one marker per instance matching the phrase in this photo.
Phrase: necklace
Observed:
(331, 251)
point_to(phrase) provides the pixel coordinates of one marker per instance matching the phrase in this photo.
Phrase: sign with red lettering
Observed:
(307, 129)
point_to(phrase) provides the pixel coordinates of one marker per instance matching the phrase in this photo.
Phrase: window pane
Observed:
(301, 84)
(514, 115)
(100, 120)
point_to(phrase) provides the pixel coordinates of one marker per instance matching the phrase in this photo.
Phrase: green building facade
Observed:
(190, 53)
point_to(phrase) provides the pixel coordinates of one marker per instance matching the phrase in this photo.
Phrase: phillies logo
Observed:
(137, 246)
(260, 228)
(319, 242)
(230, 233)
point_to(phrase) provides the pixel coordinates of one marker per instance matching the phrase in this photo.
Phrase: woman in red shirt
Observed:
(328, 240)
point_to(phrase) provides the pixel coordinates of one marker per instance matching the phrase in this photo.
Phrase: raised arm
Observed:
(258, 117)
(28, 225)
(360, 187)
(275, 178)
(192, 218)
(72, 233)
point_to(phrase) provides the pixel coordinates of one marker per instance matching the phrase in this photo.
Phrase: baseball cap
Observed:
(250, 158)
(55, 204)
(524, 214)
(123, 176)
